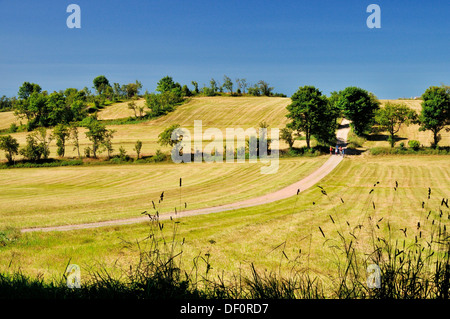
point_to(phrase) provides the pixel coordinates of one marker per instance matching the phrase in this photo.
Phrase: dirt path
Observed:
(286, 192)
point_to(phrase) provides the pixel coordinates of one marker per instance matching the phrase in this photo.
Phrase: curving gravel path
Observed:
(286, 192)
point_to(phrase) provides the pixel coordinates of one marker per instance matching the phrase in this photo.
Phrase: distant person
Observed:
(331, 150)
(337, 150)
(340, 150)
(343, 150)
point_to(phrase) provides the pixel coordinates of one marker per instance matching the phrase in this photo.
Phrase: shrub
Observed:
(33, 150)
(159, 156)
(123, 154)
(87, 152)
(13, 128)
(415, 145)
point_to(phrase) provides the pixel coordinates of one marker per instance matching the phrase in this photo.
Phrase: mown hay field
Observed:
(386, 196)
(72, 195)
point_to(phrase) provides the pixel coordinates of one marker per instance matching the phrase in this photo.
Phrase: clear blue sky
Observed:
(286, 43)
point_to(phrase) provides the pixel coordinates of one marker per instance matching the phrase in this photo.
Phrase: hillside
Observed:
(217, 112)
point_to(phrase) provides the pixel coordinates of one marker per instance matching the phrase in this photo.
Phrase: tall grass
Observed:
(414, 265)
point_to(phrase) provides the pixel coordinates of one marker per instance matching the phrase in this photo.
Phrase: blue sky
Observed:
(286, 43)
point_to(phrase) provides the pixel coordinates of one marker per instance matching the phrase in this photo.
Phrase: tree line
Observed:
(315, 114)
(237, 88)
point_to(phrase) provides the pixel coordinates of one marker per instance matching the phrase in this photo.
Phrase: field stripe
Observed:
(284, 193)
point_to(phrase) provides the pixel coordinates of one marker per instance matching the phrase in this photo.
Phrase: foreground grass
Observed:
(368, 211)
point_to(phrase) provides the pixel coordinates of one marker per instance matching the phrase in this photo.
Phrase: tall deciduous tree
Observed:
(167, 84)
(27, 89)
(392, 116)
(435, 113)
(10, 145)
(228, 84)
(195, 84)
(358, 106)
(265, 88)
(287, 136)
(74, 136)
(137, 148)
(312, 114)
(96, 133)
(101, 83)
(165, 137)
(61, 133)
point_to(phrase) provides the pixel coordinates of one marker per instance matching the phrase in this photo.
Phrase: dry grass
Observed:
(118, 110)
(8, 118)
(73, 195)
(217, 112)
(261, 234)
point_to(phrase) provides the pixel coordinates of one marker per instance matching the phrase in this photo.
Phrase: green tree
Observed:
(101, 83)
(43, 110)
(137, 148)
(74, 136)
(391, 118)
(213, 87)
(61, 133)
(254, 90)
(34, 109)
(34, 149)
(185, 90)
(167, 84)
(44, 141)
(27, 89)
(195, 84)
(96, 133)
(107, 142)
(242, 84)
(435, 114)
(228, 84)
(58, 110)
(161, 104)
(133, 89)
(311, 113)
(132, 106)
(287, 136)
(264, 88)
(117, 91)
(165, 137)
(358, 106)
(6, 104)
(10, 145)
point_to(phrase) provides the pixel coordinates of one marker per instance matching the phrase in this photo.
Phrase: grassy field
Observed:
(300, 232)
(217, 112)
(285, 232)
(72, 195)
(8, 118)
(118, 110)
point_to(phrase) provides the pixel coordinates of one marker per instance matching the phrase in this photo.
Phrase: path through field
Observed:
(286, 192)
